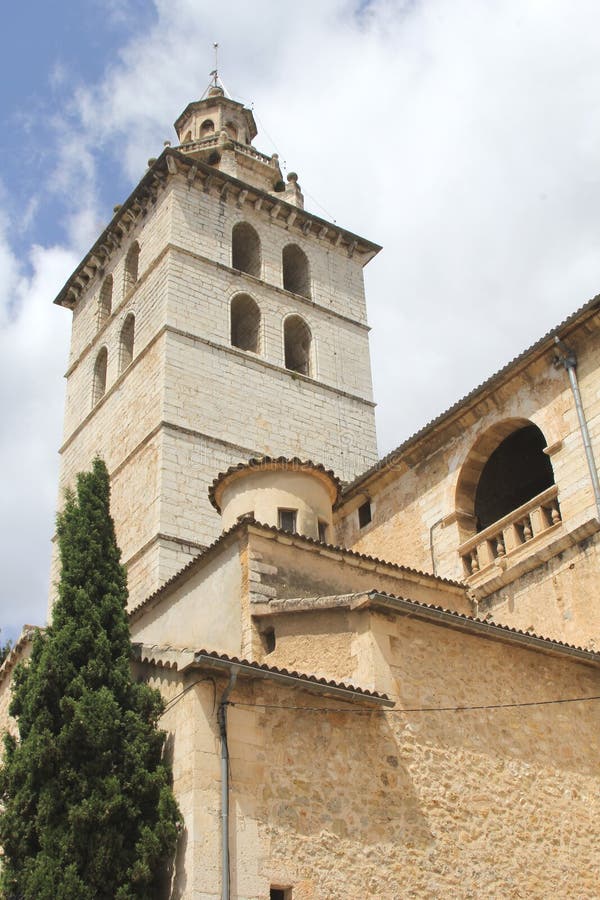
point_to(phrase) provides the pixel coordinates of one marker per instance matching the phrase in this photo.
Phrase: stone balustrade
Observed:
(499, 540)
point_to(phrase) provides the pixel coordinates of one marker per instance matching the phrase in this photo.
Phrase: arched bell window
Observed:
(99, 382)
(105, 300)
(126, 340)
(296, 272)
(245, 249)
(131, 266)
(297, 339)
(245, 323)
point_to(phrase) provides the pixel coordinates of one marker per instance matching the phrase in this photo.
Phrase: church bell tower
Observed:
(214, 320)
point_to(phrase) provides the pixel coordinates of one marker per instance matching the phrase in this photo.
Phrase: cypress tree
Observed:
(88, 810)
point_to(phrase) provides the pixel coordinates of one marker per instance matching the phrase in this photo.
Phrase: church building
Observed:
(382, 676)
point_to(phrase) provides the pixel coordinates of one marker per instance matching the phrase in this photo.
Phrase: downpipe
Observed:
(222, 720)
(568, 360)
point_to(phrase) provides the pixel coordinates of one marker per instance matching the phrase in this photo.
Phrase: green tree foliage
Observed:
(88, 807)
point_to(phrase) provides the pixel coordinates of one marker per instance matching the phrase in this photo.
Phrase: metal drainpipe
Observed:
(222, 719)
(568, 359)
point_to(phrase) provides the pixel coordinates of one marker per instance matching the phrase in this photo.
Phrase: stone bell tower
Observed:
(214, 320)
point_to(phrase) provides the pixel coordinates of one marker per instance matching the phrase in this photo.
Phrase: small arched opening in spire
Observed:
(231, 130)
(297, 340)
(296, 271)
(207, 127)
(126, 339)
(132, 261)
(245, 249)
(99, 382)
(105, 300)
(245, 323)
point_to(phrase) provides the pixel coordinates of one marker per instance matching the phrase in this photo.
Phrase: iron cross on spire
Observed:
(215, 72)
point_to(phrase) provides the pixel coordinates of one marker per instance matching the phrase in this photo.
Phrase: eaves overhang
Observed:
(474, 625)
(409, 448)
(185, 660)
(169, 164)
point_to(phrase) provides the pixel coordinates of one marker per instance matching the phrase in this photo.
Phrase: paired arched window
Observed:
(99, 384)
(126, 339)
(245, 323)
(297, 340)
(131, 266)
(105, 300)
(245, 249)
(296, 272)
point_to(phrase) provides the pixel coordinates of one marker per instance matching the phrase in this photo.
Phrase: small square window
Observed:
(287, 519)
(280, 894)
(364, 514)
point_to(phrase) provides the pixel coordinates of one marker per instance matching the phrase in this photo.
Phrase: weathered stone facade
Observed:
(406, 663)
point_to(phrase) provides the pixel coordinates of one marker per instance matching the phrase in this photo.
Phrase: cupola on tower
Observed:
(214, 320)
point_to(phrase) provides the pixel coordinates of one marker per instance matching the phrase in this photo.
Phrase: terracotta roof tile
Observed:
(387, 461)
(293, 464)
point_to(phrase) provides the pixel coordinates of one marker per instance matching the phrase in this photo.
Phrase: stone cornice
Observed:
(172, 164)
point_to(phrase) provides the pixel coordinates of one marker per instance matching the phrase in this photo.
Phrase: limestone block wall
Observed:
(202, 223)
(147, 302)
(233, 397)
(204, 612)
(416, 504)
(334, 801)
(200, 295)
(152, 232)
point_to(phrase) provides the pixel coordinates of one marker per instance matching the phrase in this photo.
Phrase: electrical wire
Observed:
(417, 709)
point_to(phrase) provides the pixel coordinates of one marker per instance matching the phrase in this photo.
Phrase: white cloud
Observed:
(461, 135)
(33, 353)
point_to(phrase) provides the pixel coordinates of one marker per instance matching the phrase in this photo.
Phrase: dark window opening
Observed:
(280, 894)
(245, 249)
(364, 514)
(286, 519)
(323, 531)
(207, 127)
(99, 385)
(516, 471)
(297, 343)
(126, 343)
(245, 323)
(105, 302)
(131, 266)
(214, 159)
(268, 639)
(296, 274)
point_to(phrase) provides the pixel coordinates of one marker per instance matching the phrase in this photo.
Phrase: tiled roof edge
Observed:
(387, 460)
(151, 654)
(490, 627)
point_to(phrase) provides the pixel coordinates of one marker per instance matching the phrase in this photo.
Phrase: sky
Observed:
(462, 135)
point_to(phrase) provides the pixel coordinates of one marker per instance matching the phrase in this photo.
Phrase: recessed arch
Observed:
(132, 261)
(297, 341)
(245, 320)
(231, 129)
(296, 270)
(245, 249)
(505, 468)
(99, 379)
(105, 300)
(207, 127)
(126, 341)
